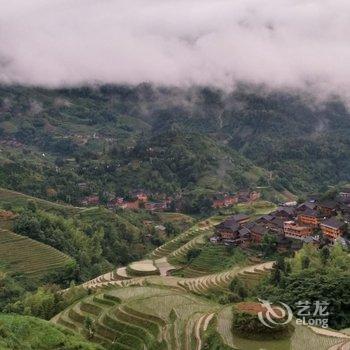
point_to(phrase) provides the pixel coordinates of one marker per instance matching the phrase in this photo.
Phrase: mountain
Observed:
(117, 138)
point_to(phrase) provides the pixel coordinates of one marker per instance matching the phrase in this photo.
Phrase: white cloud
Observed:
(289, 43)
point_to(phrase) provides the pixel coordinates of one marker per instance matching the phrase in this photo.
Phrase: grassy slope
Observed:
(24, 255)
(17, 200)
(29, 333)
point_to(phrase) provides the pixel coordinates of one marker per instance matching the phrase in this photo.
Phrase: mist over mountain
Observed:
(288, 43)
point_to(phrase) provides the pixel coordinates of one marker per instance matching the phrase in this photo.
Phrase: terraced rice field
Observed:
(20, 200)
(163, 317)
(142, 318)
(220, 281)
(179, 241)
(24, 255)
(142, 268)
(212, 258)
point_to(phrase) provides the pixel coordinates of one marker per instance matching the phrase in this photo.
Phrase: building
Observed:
(91, 200)
(156, 206)
(327, 208)
(332, 228)
(292, 230)
(225, 201)
(265, 219)
(142, 197)
(309, 217)
(257, 232)
(130, 205)
(306, 205)
(276, 225)
(284, 212)
(227, 229)
(344, 195)
(248, 196)
(254, 195)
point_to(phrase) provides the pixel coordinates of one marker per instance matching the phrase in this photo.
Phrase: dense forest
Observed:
(169, 140)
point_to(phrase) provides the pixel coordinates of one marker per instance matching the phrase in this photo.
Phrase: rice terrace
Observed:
(174, 175)
(167, 312)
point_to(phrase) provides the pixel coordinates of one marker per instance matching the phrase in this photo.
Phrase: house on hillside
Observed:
(224, 200)
(264, 220)
(309, 217)
(328, 208)
(286, 213)
(332, 228)
(248, 196)
(276, 225)
(293, 230)
(90, 200)
(257, 232)
(227, 229)
(344, 195)
(142, 197)
(306, 205)
(156, 206)
(130, 205)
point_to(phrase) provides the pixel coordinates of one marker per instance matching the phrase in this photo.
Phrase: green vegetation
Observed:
(29, 333)
(136, 317)
(247, 324)
(209, 258)
(118, 138)
(36, 260)
(295, 280)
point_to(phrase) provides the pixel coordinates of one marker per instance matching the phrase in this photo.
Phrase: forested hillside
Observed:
(198, 140)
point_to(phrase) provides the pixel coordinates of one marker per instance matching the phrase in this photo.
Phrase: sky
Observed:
(280, 43)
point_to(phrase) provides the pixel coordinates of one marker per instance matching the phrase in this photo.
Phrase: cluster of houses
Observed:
(139, 199)
(292, 225)
(224, 199)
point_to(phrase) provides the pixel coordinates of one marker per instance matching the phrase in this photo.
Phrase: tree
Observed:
(170, 228)
(325, 254)
(192, 254)
(305, 262)
(237, 287)
(89, 325)
(269, 245)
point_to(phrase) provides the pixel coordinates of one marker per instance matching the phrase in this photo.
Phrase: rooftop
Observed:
(333, 223)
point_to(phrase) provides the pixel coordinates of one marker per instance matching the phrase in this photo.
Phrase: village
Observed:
(292, 225)
(143, 199)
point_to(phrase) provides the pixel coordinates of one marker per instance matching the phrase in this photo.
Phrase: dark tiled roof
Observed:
(308, 205)
(310, 212)
(333, 222)
(243, 231)
(328, 204)
(259, 229)
(249, 225)
(288, 210)
(278, 222)
(266, 217)
(228, 225)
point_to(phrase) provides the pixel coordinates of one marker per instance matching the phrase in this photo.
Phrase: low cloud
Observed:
(281, 43)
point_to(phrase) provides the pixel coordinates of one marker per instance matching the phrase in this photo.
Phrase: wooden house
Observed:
(332, 228)
(309, 217)
(293, 230)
